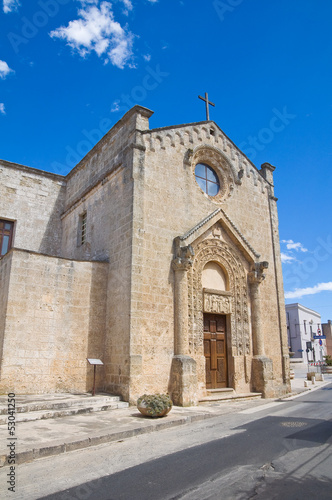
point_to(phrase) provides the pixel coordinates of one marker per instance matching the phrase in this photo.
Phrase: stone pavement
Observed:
(52, 436)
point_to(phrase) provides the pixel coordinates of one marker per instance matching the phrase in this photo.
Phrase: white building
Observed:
(303, 324)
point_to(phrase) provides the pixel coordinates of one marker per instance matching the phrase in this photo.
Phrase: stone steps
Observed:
(30, 408)
(228, 394)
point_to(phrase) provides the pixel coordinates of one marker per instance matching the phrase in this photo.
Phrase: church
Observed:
(157, 254)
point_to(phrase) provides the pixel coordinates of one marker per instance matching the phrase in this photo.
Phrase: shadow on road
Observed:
(260, 442)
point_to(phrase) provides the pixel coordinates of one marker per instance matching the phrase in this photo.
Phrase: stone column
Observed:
(256, 277)
(262, 368)
(181, 341)
(183, 383)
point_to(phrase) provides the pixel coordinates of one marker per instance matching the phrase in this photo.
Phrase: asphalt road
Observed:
(279, 451)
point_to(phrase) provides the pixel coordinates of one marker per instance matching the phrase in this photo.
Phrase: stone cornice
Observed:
(35, 171)
(15, 250)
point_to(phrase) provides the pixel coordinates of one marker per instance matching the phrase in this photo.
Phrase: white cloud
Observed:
(147, 57)
(96, 30)
(10, 5)
(291, 245)
(4, 69)
(115, 106)
(2, 108)
(300, 292)
(286, 259)
(128, 6)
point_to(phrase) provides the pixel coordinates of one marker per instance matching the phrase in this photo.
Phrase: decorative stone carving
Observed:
(216, 232)
(225, 169)
(217, 303)
(183, 257)
(215, 138)
(215, 250)
(257, 275)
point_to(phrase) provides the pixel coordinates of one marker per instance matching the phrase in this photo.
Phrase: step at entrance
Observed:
(37, 407)
(227, 394)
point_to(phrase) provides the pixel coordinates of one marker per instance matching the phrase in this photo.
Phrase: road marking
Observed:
(261, 408)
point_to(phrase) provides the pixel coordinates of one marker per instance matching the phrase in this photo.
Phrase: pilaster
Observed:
(183, 380)
(262, 366)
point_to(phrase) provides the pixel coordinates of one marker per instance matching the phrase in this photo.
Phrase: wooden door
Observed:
(215, 351)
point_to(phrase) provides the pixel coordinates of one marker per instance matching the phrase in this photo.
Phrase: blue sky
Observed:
(69, 69)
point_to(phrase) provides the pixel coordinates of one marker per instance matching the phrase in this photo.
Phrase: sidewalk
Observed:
(41, 438)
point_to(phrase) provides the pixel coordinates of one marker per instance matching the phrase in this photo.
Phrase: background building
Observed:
(327, 331)
(302, 325)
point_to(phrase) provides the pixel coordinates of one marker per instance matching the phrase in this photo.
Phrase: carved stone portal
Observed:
(233, 302)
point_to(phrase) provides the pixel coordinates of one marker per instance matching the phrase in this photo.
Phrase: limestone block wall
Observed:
(34, 200)
(108, 208)
(5, 266)
(173, 204)
(55, 320)
(102, 187)
(327, 330)
(107, 155)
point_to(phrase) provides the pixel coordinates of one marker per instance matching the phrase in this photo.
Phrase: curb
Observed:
(58, 449)
(30, 455)
(304, 390)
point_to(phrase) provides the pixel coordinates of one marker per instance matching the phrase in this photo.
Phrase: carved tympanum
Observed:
(217, 303)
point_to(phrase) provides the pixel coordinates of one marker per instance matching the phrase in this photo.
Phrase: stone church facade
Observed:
(158, 254)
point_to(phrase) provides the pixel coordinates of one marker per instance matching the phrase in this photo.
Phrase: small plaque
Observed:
(94, 361)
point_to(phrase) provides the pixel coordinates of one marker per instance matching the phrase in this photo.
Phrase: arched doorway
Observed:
(214, 282)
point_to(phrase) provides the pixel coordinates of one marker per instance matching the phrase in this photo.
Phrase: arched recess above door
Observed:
(214, 277)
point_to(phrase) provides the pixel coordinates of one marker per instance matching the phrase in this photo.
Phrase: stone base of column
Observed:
(183, 384)
(262, 376)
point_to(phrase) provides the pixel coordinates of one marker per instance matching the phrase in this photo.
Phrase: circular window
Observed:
(207, 179)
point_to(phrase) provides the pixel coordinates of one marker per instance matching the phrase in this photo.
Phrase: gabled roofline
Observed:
(231, 229)
(193, 124)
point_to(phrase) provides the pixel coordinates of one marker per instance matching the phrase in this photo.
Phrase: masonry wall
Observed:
(173, 204)
(55, 320)
(327, 330)
(109, 235)
(102, 187)
(34, 200)
(5, 266)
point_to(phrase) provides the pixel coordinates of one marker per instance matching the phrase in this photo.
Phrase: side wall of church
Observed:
(55, 320)
(34, 200)
(108, 237)
(102, 187)
(5, 266)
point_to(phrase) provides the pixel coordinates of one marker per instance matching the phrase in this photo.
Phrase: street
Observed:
(278, 450)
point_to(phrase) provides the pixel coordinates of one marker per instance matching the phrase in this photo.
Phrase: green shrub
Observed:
(155, 403)
(328, 360)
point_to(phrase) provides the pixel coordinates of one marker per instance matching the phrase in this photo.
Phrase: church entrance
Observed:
(215, 351)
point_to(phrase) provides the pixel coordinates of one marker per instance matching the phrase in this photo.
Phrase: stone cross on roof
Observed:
(207, 102)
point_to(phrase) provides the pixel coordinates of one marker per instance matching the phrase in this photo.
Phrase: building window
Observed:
(207, 179)
(6, 236)
(83, 219)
